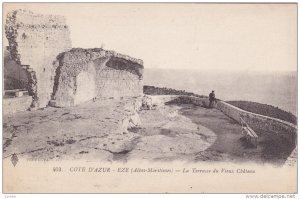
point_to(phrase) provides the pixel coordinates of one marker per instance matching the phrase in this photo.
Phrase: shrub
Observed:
(152, 90)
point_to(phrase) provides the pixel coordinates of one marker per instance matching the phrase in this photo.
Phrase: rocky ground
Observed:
(110, 130)
(93, 130)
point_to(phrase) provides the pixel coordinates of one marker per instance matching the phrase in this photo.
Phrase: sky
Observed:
(231, 37)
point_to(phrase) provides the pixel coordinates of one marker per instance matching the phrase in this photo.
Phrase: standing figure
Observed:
(212, 98)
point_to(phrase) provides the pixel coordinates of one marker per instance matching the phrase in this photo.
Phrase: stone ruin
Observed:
(61, 76)
(34, 42)
(84, 74)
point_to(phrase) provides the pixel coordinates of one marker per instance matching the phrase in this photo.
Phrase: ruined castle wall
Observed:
(260, 123)
(34, 42)
(118, 78)
(83, 74)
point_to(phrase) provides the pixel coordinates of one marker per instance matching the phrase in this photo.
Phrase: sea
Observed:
(274, 88)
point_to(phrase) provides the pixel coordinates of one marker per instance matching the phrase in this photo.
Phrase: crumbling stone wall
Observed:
(34, 42)
(83, 74)
(41, 45)
(260, 123)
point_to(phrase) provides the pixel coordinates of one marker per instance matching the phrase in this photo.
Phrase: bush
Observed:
(152, 90)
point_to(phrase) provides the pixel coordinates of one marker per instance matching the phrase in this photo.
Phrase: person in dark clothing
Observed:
(212, 98)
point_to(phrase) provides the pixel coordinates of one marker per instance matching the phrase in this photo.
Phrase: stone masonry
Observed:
(83, 74)
(34, 43)
(64, 76)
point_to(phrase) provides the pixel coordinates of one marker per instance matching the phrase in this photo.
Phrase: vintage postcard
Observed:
(149, 98)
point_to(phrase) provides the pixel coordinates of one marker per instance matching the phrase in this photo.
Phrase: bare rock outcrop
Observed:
(83, 74)
(147, 103)
(34, 42)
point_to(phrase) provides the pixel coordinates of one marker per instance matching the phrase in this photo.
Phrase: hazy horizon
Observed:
(278, 89)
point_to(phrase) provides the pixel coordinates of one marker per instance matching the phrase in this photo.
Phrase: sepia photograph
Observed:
(168, 97)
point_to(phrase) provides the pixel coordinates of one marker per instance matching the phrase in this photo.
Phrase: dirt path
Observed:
(168, 135)
(228, 132)
(193, 133)
(271, 149)
(189, 133)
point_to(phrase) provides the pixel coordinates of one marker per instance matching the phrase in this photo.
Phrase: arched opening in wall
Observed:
(15, 78)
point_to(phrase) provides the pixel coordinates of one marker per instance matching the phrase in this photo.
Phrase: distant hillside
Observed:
(152, 90)
(264, 109)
